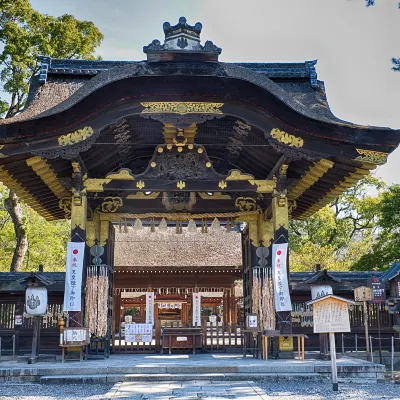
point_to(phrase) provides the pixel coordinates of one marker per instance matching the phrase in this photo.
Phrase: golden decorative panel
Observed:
(95, 185)
(48, 176)
(178, 107)
(111, 204)
(122, 174)
(79, 212)
(314, 173)
(75, 137)
(236, 175)
(374, 157)
(287, 138)
(246, 204)
(263, 186)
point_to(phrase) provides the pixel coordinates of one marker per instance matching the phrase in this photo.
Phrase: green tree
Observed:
(26, 34)
(386, 246)
(46, 240)
(340, 233)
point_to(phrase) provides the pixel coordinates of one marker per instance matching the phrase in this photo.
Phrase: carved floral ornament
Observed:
(75, 137)
(177, 107)
(111, 204)
(286, 138)
(371, 156)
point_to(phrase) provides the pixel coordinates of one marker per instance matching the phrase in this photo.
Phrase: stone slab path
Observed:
(188, 390)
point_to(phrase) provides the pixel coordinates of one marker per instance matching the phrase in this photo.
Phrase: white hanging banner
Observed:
(196, 309)
(150, 308)
(279, 271)
(73, 276)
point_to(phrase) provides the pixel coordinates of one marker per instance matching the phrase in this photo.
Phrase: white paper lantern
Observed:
(36, 300)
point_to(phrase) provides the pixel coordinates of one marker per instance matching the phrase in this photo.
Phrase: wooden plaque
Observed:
(363, 293)
(331, 315)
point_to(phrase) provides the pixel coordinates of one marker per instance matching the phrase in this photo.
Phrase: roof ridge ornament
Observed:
(181, 40)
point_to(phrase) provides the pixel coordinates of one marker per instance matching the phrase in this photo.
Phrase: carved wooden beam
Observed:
(315, 172)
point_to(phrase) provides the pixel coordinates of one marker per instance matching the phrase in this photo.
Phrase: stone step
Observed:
(113, 378)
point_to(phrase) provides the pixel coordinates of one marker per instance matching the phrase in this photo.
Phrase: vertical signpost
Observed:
(330, 315)
(364, 294)
(378, 296)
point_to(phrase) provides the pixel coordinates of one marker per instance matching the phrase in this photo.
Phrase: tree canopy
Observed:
(386, 247)
(339, 234)
(26, 34)
(46, 240)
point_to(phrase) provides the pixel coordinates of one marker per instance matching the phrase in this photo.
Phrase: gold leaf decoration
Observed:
(178, 107)
(75, 137)
(246, 204)
(286, 138)
(374, 157)
(111, 204)
(180, 185)
(236, 175)
(140, 185)
(222, 184)
(123, 174)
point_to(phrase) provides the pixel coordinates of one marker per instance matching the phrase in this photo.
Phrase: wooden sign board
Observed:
(363, 293)
(331, 315)
(74, 336)
(378, 289)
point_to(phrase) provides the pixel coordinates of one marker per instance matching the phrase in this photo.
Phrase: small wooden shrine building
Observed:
(184, 139)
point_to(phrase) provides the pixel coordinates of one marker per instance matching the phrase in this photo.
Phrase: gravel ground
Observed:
(273, 391)
(33, 391)
(318, 391)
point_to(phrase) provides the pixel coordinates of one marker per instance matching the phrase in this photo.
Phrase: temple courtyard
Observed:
(201, 376)
(201, 390)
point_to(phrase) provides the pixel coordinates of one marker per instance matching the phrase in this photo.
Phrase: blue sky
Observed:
(353, 44)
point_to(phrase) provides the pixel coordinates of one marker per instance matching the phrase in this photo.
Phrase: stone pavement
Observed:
(187, 390)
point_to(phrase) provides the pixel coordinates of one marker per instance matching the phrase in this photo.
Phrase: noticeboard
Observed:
(378, 289)
(363, 293)
(331, 315)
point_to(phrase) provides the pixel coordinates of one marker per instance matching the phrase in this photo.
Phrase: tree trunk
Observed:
(14, 208)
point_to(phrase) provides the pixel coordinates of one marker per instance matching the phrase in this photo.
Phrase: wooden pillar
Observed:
(233, 316)
(225, 306)
(78, 234)
(280, 217)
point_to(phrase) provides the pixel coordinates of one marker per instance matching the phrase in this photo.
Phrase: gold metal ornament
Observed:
(222, 184)
(140, 185)
(371, 156)
(236, 175)
(123, 174)
(111, 204)
(177, 107)
(75, 137)
(180, 185)
(286, 138)
(246, 204)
